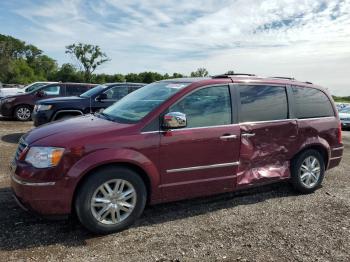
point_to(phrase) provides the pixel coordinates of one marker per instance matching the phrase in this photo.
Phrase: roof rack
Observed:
(231, 73)
(283, 77)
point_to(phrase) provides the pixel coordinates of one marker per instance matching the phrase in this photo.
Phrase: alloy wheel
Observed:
(23, 113)
(310, 171)
(113, 201)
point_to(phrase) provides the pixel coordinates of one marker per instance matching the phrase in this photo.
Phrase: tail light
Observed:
(339, 133)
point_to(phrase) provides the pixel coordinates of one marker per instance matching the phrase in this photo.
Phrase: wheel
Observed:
(308, 171)
(110, 200)
(23, 113)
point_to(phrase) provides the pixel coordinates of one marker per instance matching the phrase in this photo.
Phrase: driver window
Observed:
(209, 106)
(51, 90)
(117, 92)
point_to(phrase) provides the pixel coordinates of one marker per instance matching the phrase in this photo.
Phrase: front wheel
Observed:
(110, 200)
(308, 171)
(23, 113)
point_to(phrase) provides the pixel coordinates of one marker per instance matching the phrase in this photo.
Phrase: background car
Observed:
(95, 99)
(20, 106)
(11, 91)
(344, 116)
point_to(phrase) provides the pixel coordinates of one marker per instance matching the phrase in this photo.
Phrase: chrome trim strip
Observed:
(315, 118)
(338, 148)
(67, 111)
(268, 121)
(197, 181)
(185, 169)
(24, 183)
(334, 158)
(151, 132)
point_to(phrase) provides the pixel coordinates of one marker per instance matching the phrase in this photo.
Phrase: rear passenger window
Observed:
(311, 102)
(263, 103)
(210, 106)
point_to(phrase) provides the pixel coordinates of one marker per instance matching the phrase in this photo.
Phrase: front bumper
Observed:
(6, 109)
(46, 198)
(41, 117)
(345, 123)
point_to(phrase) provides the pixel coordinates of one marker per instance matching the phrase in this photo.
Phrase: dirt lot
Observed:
(271, 223)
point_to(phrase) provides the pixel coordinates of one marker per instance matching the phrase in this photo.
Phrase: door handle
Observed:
(227, 137)
(247, 134)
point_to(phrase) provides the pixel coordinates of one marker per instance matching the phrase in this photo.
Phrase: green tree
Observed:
(20, 72)
(88, 56)
(200, 72)
(67, 73)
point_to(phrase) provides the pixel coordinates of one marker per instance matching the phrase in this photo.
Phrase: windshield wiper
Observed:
(104, 116)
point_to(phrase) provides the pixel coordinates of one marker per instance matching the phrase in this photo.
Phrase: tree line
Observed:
(22, 63)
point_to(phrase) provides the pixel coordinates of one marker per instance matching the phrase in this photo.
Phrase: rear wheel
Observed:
(110, 200)
(308, 171)
(23, 113)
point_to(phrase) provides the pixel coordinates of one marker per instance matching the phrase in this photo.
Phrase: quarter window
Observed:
(210, 106)
(311, 102)
(75, 90)
(263, 103)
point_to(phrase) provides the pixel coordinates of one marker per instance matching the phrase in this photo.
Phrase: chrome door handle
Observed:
(226, 137)
(247, 134)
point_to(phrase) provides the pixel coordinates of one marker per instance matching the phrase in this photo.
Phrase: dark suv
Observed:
(178, 139)
(21, 106)
(95, 99)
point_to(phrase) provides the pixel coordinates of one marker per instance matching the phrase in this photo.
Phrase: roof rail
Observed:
(283, 77)
(230, 74)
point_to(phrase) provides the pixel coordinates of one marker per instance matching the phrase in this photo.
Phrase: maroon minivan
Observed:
(178, 139)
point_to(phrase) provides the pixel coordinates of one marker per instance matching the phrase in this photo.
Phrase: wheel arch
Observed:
(68, 111)
(322, 149)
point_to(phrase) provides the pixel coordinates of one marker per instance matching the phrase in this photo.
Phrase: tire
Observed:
(23, 113)
(95, 217)
(302, 179)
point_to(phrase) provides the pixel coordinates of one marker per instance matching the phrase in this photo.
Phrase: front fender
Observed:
(109, 156)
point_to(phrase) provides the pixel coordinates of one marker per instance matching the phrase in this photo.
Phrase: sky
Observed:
(305, 39)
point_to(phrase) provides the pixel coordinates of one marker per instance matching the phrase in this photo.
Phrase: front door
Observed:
(202, 158)
(268, 135)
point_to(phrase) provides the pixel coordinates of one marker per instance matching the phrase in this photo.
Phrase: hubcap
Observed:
(23, 113)
(310, 171)
(113, 201)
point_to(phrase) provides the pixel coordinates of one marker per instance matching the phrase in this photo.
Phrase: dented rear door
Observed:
(268, 135)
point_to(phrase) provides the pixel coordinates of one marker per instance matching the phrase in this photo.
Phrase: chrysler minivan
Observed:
(178, 139)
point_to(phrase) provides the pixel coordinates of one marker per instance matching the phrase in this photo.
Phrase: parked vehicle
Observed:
(93, 100)
(178, 139)
(21, 106)
(11, 91)
(344, 115)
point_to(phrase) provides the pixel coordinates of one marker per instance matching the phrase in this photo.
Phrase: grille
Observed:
(21, 146)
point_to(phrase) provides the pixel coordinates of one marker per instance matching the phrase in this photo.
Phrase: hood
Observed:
(68, 99)
(10, 91)
(85, 129)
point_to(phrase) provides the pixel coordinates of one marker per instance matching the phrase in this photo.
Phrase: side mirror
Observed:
(174, 120)
(40, 93)
(102, 96)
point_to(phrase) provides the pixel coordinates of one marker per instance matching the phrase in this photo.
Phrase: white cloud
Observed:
(303, 38)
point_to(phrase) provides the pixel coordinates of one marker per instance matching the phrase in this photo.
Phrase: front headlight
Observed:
(43, 157)
(43, 107)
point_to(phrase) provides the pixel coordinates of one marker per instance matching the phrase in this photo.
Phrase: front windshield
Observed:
(33, 87)
(93, 91)
(139, 103)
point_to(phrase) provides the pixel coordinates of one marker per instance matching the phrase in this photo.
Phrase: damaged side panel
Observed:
(266, 151)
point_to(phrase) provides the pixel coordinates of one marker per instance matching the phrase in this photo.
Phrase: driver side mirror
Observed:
(174, 120)
(101, 97)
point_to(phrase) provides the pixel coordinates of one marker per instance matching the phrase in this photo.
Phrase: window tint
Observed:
(263, 103)
(117, 92)
(209, 106)
(311, 102)
(51, 90)
(75, 90)
(133, 88)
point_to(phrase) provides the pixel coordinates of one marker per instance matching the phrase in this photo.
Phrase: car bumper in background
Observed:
(41, 117)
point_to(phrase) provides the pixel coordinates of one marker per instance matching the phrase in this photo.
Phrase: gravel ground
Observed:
(270, 223)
